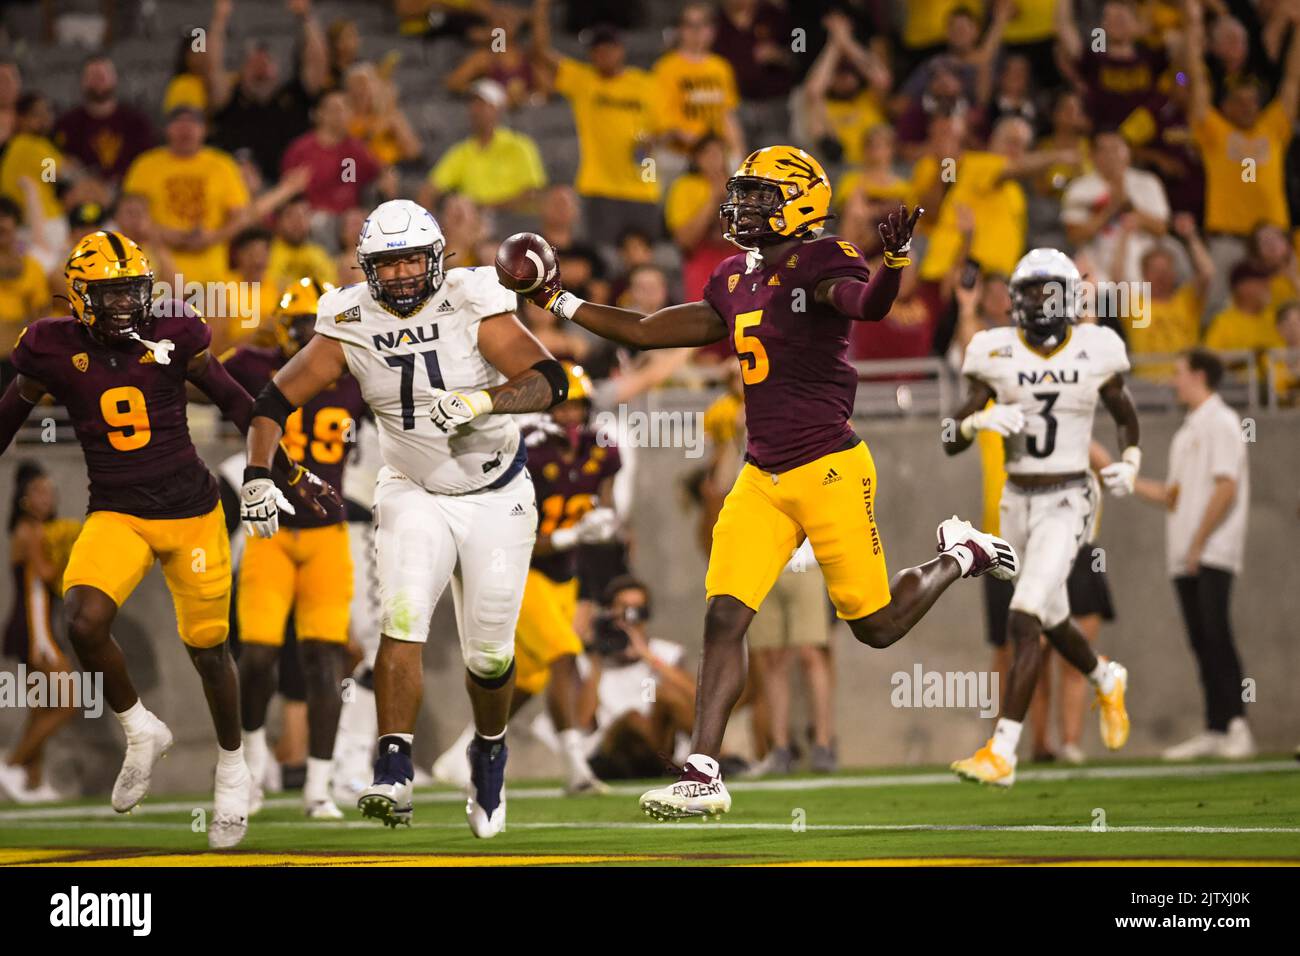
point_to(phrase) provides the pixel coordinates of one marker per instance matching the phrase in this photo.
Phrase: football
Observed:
(524, 261)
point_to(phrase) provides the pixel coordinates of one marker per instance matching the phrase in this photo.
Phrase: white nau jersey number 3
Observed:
(1057, 391)
(398, 362)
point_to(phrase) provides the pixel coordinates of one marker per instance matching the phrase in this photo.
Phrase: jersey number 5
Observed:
(406, 363)
(123, 409)
(753, 357)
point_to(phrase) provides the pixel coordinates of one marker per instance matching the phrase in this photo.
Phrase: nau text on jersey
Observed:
(1050, 376)
(389, 340)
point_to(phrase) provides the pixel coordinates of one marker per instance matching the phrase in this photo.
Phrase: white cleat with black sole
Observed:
(323, 809)
(698, 792)
(142, 754)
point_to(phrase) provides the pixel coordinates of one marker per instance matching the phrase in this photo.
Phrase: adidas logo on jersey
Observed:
(832, 476)
(445, 306)
(518, 509)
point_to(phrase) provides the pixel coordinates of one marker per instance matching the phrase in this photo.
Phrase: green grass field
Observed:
(1122, 812)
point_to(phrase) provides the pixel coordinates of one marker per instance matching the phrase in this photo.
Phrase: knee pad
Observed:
(490, 670)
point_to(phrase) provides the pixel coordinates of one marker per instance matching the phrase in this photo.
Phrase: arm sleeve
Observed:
(568, 76)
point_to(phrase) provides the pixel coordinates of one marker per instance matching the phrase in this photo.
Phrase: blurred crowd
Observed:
(1152, 139)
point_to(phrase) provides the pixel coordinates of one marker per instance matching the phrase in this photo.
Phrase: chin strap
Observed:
(162, 351)
(753, 259)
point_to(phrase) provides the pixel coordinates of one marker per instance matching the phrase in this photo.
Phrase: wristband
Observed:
(967, 427)
(297, 475)
(253, 472)
(566, 304)
(893, 261)
(480, 402)
(1133, 455)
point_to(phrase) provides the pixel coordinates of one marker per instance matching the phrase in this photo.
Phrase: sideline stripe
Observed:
(800, 784)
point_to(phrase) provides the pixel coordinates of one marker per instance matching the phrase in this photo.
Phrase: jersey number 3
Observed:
(753, 357)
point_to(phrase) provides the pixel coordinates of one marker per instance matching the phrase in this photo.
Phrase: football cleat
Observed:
(586, 786)
(323, 809)
(984, 766)
(698, 792)
(1114, 718)
(389, 798)
(486, 806)
(230, 811)
(142, 753)
(990, 554)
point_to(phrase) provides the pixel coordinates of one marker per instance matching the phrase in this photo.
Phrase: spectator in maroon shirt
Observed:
(102, 133)
(754, 37)
(341, 166)
(1120, 78)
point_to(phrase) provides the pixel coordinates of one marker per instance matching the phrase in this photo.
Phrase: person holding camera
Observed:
(636, 698)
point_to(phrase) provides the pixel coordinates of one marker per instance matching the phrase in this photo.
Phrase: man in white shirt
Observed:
(1207, 495)
(1096, 207)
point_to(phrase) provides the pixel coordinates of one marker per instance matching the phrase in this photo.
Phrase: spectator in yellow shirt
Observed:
(1167, 320)
(1249, 322)
(875, 178)
(696, 89)
(1270, 247)
(197, 196)
(844, 95)
(293, 254)
(24, 294)
(1242, 146)
(251, 293)
(985, 183)
(30, 153)
(613, 109)
(494, 166)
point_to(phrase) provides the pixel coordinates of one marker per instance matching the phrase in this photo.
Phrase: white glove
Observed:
(1002, 419)
(453, 409)
(597, 526)
(260, 504)
(1120, 476)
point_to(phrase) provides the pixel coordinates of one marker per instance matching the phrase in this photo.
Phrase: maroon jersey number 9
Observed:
(123, 408)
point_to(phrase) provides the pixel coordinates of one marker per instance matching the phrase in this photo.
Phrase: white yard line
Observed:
(324, 826)
(803, 784)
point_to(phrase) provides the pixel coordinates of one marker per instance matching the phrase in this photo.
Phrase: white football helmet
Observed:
(1045, 290)
(394, 230)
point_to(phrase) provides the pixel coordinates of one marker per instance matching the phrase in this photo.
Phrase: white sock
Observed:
(1102, 677)
(135, 720)
(963, 556)
(704, 764)
(255, 751)
(575, 755)
(1006, 736)
(492, 737)
(230, 763)
(317, 785)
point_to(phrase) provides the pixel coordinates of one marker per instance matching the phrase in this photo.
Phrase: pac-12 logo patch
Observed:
(81, 361)
(732, 282)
